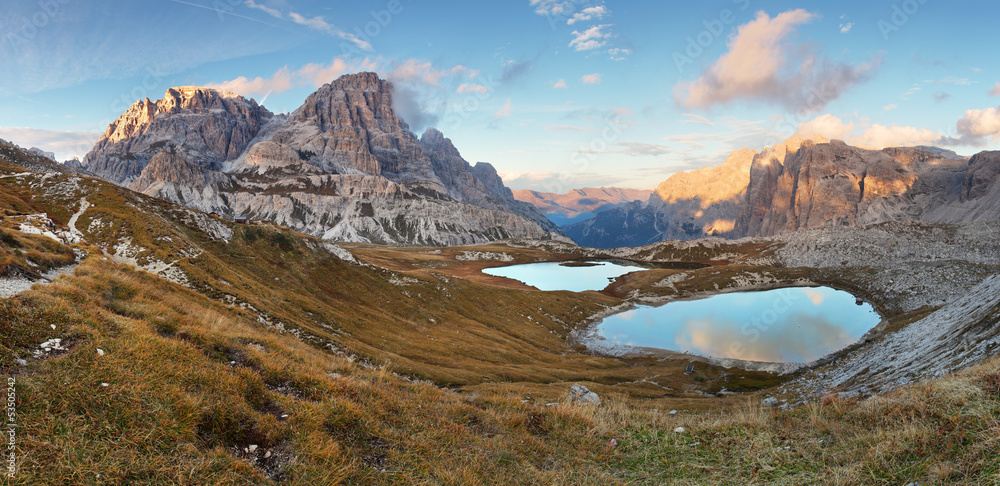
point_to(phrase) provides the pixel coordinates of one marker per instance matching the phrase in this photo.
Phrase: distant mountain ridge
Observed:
(580, 204)
(342, 166)
(804, 183)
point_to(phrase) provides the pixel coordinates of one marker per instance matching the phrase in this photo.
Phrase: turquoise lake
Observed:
(790, 325)
(559, 276)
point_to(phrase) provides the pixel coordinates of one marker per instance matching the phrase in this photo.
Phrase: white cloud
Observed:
(845, 28)
(977, 125)
(315, 23)
(592, 38)
(826, 125)
(561, 84)
(318, 24)
(552, 7)
(910, 92)
(955, 80)
(889, 107)
(312, 75)
(588, 13)
(762, 65)
(697, 120)
(472, 88)
(65, 145)
(415, 70)
(504, 111)
(618, 54)
(879, 136)
(591, 79)
(263, 8)
(641, 149)
(874, 136)
(996, 90)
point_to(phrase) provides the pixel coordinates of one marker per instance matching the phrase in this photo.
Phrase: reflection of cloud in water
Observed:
(815, 296)
(800, 338)
(784, 325)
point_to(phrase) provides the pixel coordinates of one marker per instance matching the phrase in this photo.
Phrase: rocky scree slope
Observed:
(342, 166)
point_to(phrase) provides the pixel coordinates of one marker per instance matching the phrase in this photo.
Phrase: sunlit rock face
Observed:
(686, 206)
(834, 184)
(342, 166)
(206, 127)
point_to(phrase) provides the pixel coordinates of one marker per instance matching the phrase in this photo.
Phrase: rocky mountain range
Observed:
(342, 166)
(580, 204)
(804, 183)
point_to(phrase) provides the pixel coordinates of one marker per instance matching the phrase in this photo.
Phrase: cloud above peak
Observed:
(977, 126)
(764, 65)
(874, 136)
(312, 75)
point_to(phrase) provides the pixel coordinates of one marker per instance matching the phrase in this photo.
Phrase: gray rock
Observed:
(770, 402)
(579, 394)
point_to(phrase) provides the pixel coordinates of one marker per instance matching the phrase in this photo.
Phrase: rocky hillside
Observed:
(32, 159)
(688, 205)
(342, 166)
(580, 204)
(834, 184)
(804, 184)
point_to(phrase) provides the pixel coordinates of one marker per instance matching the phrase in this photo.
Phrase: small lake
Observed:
(791, 325)
(574, 276)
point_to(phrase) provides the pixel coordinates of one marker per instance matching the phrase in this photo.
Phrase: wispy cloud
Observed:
(996, 90)
(472, 88)
(591, 79)
(953, 80)
(569, 128)
(561, 84)
(417, 70)
(222, 12)
(504, 111)
(889, 107)
(696, 119)
(762, 65)
(315, 23)
(641, 149)
(845, 28)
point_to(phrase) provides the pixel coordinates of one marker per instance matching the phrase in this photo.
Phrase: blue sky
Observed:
(557, 94)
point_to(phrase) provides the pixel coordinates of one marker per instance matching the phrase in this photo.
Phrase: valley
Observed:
(228, 296)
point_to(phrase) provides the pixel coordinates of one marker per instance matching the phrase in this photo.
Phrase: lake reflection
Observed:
(564, 276)
(785, 325)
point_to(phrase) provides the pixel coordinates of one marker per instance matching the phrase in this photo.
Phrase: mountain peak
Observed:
(364, 81)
